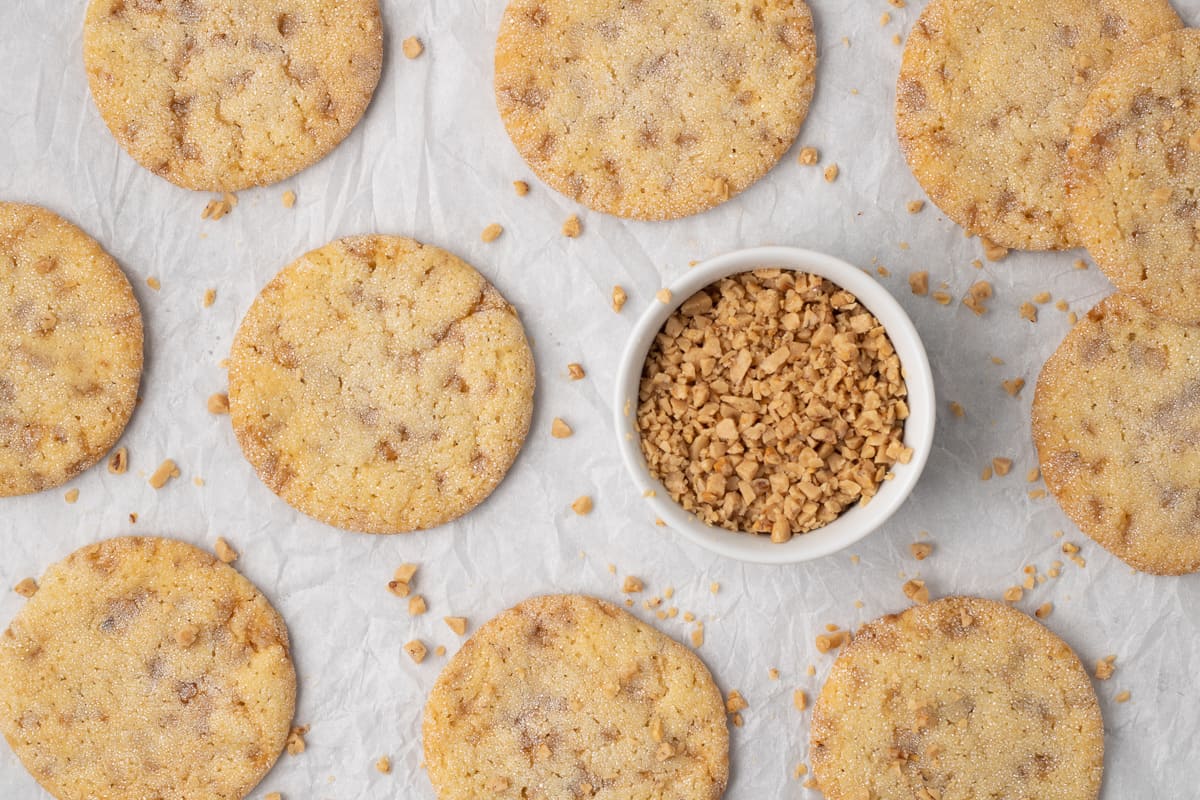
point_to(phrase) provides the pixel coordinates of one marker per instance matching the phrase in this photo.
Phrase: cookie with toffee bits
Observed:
(381, 385)
(656, 109)
(569, 696)
(144, 667)
(222, 95)
(956, 699)
(1116, 418)
(70, 350)
(987, 93)
(1135, 175)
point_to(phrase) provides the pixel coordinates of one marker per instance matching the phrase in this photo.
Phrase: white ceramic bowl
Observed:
(857, 521)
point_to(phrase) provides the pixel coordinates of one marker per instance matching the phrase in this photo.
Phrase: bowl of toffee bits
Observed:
(775, 405)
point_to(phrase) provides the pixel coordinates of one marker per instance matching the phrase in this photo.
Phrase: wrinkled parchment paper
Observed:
(431, 160)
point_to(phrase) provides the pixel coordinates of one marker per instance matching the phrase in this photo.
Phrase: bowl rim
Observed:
(856, 522)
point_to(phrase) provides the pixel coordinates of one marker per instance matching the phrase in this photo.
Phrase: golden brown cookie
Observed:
(568, 696)
(145, 668)
(957, 699)
(987, 93)
(70, 350)
(656, 109)
(381, 385)
(1116, 419)
(221, 95)
(1135, 175)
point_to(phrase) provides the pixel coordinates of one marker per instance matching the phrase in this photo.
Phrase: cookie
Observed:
(956, 699)
(1135, 175)
(656, 109)
(1116, 419)
(221, 95)
(987, 93)
(145, 668)
(569, 696)
(381, 385)
(70, 350)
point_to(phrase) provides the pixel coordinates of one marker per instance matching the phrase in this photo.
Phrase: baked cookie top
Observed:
(221, 95)
(145, 668)
(1116, 418)
(70, 350)
(381, 385)
(959, 698)
(1135, 175)
(987, 93)
(569, 696)
(655, 109)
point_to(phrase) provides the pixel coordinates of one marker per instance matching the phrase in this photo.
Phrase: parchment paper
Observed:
(431, 160)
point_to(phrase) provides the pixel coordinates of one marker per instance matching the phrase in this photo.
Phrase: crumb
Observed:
(810, 670)
(1062, 305)
(992, 251)
(618, 299)
(132, 518)
(1044, 610)
(1013, 594)
(71, 496)
(773, 674)
(1032, 475)
(976, 263)
(884, 19)
(1041, 298)
(416, 650)
(976, 295)
(295, 740)
(918, 283)
(197, 481)
(1014, 386)
(582, 505)
(1105, 668)
(492, 232)
(1072, 318)
(27, 587)
(921, 550)
(799, 771)
(165, 472)
(224, 551)
(632, 585)
(809, 156)
(289, 199)
(915, 206)
(560, 429)
(832, 641)
(1080, 264)
(715, 587)
(663, 296)
(521, 188)
(1037, 494)
(218, 404)
(1029, 311)
(153, 283)
(800, 699)
(210, 297)
(412, 47)
(916, 590)
(273, 796)
(698, 636)
(439, 651)
(883, 271)
(943, 298)
(956, 409)
(416, 606)
(986, 475)
(1122, 696)
(831, 173)
(1002, 466)
(118, 462)
(572, 228)
(384, 765)
(456, 624)
(896, 40)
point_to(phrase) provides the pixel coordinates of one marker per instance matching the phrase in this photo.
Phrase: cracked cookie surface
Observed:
(1135, 175)
(987, 93)
(959, 698)
(1116, 419)
(381, 385)
(144, 667)
(70, 350)
(656, 109)
(569, 696)
(222, 95)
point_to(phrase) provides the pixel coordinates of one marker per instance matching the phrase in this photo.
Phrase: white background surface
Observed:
(431, 160)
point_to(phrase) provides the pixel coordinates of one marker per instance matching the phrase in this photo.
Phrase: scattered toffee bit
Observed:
(521, 188)
(582, 506)
(770, 402)
(560, 429)
(165, 472)
(118, 462)
(289, 199)
(921, 550)
(416, 650)
(809, 156)
(572, 227)
(295, 740)
(618, 299)
(27, 587)
(412, 47)
(831, 173)
(218, 404)
(492, 232)
(225, 551)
